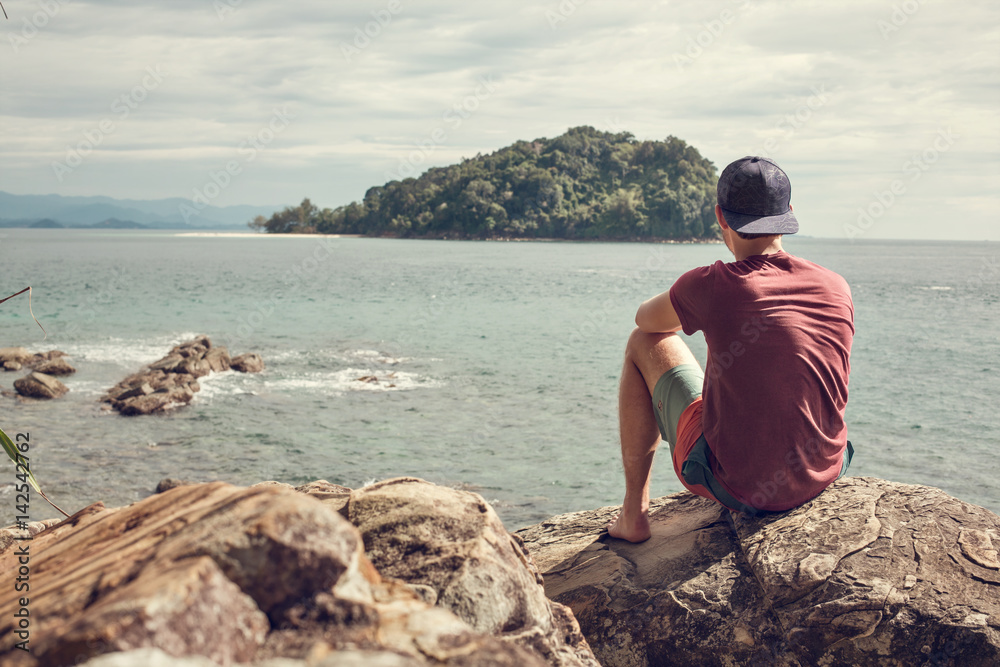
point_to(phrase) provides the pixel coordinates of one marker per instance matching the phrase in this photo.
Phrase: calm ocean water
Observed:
(496, 363)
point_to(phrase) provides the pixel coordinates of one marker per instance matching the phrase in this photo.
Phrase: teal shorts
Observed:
(674, 392)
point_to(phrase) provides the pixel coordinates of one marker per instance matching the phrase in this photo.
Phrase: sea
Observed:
(486, 366)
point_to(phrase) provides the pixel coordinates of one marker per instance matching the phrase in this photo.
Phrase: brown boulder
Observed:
(453, 548)
(166, 363)
(232, 575)
(869, 572)
(55, 366)
(17, 354)
(251, 362)
(158, 401)
(39, 385)
(218, 359)
(12, 365)
(175, 374)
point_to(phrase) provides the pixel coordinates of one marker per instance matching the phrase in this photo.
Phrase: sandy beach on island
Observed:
(266, 235)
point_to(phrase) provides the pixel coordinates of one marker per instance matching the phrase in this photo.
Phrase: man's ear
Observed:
(721, 218)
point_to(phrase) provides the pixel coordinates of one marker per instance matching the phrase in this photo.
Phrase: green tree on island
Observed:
(584, 184)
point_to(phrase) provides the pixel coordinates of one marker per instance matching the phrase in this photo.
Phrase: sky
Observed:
(883, 114)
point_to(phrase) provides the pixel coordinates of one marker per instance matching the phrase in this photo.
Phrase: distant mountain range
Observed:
(51, 211)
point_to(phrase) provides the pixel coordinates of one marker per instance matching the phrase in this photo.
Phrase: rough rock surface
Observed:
(109, 585)
(39, 385)
(16, 358)
(17, 355)
(452, 548)
(868, 573)
(55, 366)
(250, 362)
(170, 381)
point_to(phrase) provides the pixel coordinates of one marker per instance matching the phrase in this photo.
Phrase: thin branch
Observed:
(28, 290)
(13, 295)
(4, 11)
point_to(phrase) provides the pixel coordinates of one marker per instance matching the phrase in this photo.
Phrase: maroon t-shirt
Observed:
(779, 331)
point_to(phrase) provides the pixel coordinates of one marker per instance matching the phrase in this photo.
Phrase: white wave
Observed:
(128, 353)
(85, 387)
(226, 383)
(375, 355)
(351, 379)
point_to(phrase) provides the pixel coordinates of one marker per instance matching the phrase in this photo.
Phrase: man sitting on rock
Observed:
(762, 429)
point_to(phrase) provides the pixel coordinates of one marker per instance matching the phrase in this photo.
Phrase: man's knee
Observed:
(656, 353)
(643, 343)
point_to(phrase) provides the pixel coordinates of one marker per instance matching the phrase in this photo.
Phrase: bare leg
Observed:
(647, 357)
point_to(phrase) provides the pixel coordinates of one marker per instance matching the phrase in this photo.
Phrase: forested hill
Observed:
(585, 184)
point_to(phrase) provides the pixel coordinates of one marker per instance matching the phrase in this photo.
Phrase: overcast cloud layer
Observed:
(884, 107)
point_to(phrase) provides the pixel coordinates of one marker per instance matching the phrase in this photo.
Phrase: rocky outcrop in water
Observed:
(17, 358)
(172, 380)
(147, 582)
(55, 366)
(869, 572)
(250, 362)
(39, 385)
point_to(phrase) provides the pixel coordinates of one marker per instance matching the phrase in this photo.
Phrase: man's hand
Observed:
(657, 315)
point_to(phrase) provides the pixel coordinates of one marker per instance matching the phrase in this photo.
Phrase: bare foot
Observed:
(629, 529)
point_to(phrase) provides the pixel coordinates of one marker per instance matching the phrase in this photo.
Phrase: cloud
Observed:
(839, 99)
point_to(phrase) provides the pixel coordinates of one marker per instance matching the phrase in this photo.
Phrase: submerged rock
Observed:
(869, 572)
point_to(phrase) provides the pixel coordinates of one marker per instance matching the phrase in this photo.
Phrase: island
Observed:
(584, 184)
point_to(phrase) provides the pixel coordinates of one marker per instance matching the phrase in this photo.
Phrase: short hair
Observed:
(749, 237)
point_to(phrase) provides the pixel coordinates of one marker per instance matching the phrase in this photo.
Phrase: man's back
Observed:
(762, 427)
(779, 331)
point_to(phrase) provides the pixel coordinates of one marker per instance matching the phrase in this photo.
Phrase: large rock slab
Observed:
(39, 385)
(264, 575)
(868, 573)
(453, 549)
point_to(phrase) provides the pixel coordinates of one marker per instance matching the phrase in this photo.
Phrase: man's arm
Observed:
(657, 315)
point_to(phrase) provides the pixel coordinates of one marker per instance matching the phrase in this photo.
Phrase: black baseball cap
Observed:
(753, 193)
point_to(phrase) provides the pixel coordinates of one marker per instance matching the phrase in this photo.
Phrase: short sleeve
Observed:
(691, 296)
